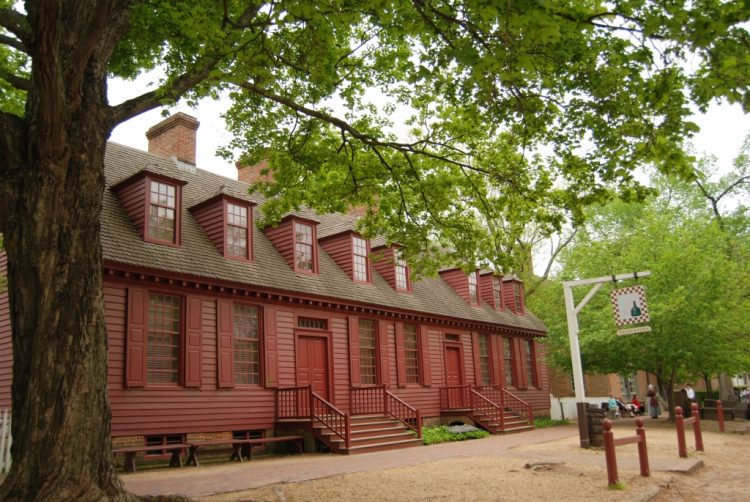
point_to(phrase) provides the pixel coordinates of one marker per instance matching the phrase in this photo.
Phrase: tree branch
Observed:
(16, 23)
(13, 42)
(16, 81)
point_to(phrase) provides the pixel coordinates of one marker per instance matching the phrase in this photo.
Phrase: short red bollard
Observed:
(720, 414)
(680, 421)
(611, 456)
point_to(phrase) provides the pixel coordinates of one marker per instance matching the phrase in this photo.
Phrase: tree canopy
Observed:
(697, 293)
(522, 113)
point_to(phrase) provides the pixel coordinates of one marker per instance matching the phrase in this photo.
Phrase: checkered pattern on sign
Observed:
(641, 292)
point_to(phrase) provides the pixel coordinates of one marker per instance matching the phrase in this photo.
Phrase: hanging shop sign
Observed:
(630, 308)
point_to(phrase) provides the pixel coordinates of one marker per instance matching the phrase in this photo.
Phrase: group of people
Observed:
(616, 408)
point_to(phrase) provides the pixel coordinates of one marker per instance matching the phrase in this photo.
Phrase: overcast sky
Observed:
(723, 128)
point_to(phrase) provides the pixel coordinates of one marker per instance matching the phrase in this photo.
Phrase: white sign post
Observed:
(572, 310)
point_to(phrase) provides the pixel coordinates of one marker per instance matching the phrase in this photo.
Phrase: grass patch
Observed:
(617, 486)
(543, 422)
(440, 434)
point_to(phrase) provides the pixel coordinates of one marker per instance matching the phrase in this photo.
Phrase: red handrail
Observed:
(302, 403)
(486, 407)
(507, 399)
(378, 399)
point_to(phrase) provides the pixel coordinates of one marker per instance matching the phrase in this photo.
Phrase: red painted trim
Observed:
(382, 353)
(354, 369)
(193, 351)
(423, 342)
(137, 322)
(177, 210)
(248, 228)
(400, 355)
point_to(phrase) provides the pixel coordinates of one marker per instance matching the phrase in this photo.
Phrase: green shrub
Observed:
(441, 434)
(541, 423)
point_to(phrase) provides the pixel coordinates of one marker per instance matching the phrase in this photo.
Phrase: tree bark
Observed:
(61, 416)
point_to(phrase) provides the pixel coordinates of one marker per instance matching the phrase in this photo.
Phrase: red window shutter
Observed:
(424, 352)
(193, 351)
(224, 352)
(400, 355)
(520, 359)
(354, 350)
(496, 359)
(270, 346)
(135, 364)
(383, 352)
(477, 358)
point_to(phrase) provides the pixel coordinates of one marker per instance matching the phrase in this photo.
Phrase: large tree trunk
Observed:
(61, 417)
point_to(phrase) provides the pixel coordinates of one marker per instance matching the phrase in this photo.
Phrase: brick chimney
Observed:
(174, 136)
(251, 174)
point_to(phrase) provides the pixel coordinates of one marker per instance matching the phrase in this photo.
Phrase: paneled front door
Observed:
(312, 364)
(454, 377)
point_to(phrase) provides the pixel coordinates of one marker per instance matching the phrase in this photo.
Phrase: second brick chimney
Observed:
(174, 137)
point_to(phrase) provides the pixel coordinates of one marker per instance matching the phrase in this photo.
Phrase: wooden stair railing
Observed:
(507, 399)
(455, 397)
(378, 400)
(302, 403)
(482, 407)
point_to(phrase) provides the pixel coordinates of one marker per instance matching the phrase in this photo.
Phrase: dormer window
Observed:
(162, 212)
(237, 231)
(303, 247)
(402, 272)
(497, 292)
(473, 290)
(359, 249)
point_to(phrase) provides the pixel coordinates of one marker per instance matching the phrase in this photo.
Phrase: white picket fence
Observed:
(5, 440)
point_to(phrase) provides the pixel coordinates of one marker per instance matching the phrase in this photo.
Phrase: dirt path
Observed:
(574, 475)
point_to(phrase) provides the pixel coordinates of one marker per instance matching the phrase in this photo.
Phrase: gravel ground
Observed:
(573, 474)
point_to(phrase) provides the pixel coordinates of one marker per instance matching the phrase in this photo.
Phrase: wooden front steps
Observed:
(512, 422)
(369, 433)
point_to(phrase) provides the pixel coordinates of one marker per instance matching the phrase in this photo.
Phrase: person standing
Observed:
(653, 402)
(690, 394)
(612, 407)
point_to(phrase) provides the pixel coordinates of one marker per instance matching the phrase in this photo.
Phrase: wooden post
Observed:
(679, 423)
(385, 400)
(642, 451)
(609, 453)
(697, 427)
(419, 424)
(348, 431)
(583, 424)
(720, 414)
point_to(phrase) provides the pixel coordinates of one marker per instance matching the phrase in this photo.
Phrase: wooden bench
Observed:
(238, 444)
(174, 449)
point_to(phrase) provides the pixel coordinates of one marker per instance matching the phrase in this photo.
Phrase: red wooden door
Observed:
(454, 377)
(312, 364)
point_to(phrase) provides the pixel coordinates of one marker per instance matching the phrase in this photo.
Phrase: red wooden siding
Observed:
(132, 197)
(282, 238)
(382, 261)
(509, 300)
(6, 342)
(339, 248)
(459, 282)
(211, 217)
(486, 291)
(211, 408)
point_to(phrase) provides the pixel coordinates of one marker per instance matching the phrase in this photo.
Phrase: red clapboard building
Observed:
(218, 329)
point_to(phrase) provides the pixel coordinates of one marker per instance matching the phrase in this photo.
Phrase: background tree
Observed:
(697, 296)
(493, 87)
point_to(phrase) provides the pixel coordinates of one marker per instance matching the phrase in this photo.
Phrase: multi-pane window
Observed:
(484, 358)
(411, 353)
(246, 344)
(517, 296)
(402, 274)
(161, 223)
(530, 365)
(367, 374)
(237, 230)
(163, 342)
(303, 246)
(310, 323)
(497, 292)
(359, 246)
(508, 360)
(473, 293)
